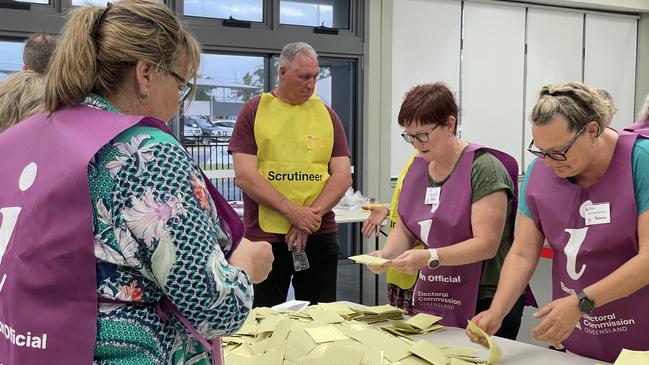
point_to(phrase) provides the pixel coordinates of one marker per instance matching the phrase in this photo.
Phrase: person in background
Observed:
(457, 198)
(610, 105)
(400, 284)
(587, 194)
(38, 52)
(118, 250)
(643, 118)
(21, 95)
(291, 160)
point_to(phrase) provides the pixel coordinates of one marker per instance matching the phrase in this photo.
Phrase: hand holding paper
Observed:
(494, 350)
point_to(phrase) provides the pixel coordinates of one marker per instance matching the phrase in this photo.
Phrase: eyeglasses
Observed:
(186, 89)
(421, 137)
(560, 155)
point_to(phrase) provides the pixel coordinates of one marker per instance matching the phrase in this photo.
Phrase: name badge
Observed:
(598, 214)
(432, 197)
(314, 142)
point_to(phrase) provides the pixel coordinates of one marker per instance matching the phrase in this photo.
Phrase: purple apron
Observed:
(585, 254)
(447, 291)
(48, 290)
(640, 126)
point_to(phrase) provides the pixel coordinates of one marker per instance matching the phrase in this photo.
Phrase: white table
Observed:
(513, 352)
(342, 215)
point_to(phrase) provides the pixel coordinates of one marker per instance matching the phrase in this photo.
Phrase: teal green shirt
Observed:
(639, 168)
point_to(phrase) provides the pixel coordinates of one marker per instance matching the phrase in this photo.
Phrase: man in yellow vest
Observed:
(291, 160)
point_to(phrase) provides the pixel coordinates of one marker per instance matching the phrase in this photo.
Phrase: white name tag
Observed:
(598, 214)
(432, 197)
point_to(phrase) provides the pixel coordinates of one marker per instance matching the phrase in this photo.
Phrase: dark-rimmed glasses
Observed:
(421, 137)
(186, 89)
(559, 155)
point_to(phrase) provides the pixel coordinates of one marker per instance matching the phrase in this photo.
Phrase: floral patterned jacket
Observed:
(157, 234)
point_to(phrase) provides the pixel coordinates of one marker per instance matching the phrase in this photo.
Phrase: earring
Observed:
(144, 99)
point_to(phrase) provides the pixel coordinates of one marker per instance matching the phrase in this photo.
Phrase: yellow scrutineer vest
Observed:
(399, 278)
(294, 145)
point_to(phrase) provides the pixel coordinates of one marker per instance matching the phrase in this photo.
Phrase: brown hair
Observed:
(575, 101)
(21, 95)
(610, 105)
(38, 52)
(428, 104)
(99, 46)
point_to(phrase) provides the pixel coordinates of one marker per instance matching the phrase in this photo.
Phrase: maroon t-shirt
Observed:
(243, 140)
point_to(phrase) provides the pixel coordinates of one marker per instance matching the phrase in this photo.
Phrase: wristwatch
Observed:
(586, 303)
(433, 261)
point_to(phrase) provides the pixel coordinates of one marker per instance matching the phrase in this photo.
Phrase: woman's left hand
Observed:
(561, 317)
(410, 261)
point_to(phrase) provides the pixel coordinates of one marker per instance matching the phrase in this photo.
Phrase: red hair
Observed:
(428, 104)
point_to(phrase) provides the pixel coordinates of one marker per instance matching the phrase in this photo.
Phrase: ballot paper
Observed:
(630, 357)
(494, 350)
(419, 324)
(325, 334)
(430, 353)
(379, 313)
(368, 260)
(338, 333)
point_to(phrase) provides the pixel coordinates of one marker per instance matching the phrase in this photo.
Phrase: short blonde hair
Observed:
(21, 95)
(644, 111)
(575, 101)
(99, 46)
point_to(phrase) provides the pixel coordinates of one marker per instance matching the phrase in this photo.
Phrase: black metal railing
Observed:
(215, 156)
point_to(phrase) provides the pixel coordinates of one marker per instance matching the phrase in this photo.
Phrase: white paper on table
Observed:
(294, 305)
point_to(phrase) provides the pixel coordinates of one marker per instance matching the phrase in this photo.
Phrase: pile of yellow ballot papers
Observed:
(375, 314)
(418, 325)
(330, 333)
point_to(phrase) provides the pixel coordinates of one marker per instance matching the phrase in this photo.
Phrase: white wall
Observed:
(554, 54)
(425, 49)
(611, 5)
(493, 76)
(499, 81)
(610, 61)
(198, 108)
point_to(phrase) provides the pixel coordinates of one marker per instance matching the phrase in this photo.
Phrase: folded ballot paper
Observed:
(368, 260)
(494, 350)
(339, 333)
(630, 357)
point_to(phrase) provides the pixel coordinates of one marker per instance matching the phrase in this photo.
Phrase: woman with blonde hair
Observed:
(21, 95)
(587, 194)
(114, 247)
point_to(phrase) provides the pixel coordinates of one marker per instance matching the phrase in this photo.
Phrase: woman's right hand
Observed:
(255, 258)
(377, 269)
(489, 321)
(372, 225)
